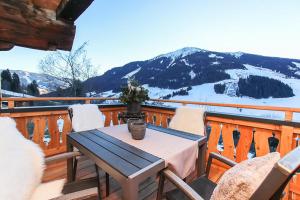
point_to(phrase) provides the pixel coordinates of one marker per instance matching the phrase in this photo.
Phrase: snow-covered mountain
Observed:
(201, 75)
(45, 82)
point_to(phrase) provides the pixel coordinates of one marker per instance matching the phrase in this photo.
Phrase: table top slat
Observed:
(128, 147)
(115, 149)
(110, 158)
(174, 132)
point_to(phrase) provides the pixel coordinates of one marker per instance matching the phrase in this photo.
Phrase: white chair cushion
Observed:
(22, 163)
(48, 190)
(86, 117)
(241, 181)
(189, 120)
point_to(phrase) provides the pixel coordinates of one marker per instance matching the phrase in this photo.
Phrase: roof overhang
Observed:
(39, 24)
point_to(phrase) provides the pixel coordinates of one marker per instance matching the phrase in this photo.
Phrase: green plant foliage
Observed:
(134, 92)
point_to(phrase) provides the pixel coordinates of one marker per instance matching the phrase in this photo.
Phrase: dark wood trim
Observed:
(6, 46)
(70, 10)
(253, 119)
(181, 134)
(168, 108)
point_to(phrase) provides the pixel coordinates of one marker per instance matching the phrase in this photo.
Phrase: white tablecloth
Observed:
(179, 154)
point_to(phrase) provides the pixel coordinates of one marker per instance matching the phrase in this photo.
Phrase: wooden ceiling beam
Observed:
(47, 4)
(22, 24)
(71, 9)
(5, 46)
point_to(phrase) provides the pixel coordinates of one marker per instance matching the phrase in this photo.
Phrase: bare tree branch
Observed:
(70, 68)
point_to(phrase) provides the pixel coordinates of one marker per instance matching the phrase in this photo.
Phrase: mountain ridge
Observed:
(190, 66)
(45, 82)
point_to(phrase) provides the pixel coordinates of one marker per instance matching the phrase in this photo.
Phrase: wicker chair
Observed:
(202, 188)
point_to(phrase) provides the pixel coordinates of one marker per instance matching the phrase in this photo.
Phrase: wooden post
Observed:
(11, 104)
(288, 116)
(286, 141)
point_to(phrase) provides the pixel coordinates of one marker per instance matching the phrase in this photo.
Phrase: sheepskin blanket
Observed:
(22, 163)
(189, 120)
(241, 181)
(86, 117)
(48, 190)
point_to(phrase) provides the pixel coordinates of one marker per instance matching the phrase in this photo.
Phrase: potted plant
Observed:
(133, 95)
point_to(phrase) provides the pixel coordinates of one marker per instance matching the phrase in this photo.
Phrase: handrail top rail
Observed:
(158, 108)
(56, 98)
(246, 106)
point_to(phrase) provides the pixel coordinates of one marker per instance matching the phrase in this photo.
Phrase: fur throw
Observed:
(189, 120)
(22, 163)
(48, 190)
(240, 182)
(86, 117)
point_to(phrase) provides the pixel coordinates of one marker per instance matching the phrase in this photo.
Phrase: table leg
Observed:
(160, 189)
(130, 190)
(70, 168)
(201, 160)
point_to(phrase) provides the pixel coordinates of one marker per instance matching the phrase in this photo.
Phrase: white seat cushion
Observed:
(48, 190)
(189, 120)
(22, 163)
(86, 117)
(241, 181)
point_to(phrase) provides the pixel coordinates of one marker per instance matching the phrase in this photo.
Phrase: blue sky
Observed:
(120, 31)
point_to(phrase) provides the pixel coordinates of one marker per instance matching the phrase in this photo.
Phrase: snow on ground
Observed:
(187, 63)
(15, 94)
(171, 63)
(206, 93)
(180, 53)
(257, 71)
(236, 54)
(215, 63)
(192, 74)
(27, 77)
(130, 74)
(215, 56)
(297, 64)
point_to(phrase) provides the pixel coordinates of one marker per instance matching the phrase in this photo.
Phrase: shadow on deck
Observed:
(86, 169)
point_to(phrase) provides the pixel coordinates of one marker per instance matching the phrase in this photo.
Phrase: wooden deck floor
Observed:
(86, 169)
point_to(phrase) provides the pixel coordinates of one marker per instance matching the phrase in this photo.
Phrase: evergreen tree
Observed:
(263, 87)
(6, 80)
(219, 88)
(16, 85)
(32, 89)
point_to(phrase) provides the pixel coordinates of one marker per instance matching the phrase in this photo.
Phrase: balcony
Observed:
(234, 136)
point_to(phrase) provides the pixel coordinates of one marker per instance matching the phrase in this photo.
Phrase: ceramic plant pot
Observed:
(131, 120)
(138, 130)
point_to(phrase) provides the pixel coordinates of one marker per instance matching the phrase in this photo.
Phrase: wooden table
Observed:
(127, 164)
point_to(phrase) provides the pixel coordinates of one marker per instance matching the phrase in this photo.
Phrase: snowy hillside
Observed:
(45, 82)
(192, 73)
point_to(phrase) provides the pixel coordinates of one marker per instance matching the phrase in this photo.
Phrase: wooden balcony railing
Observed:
(234, 136)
